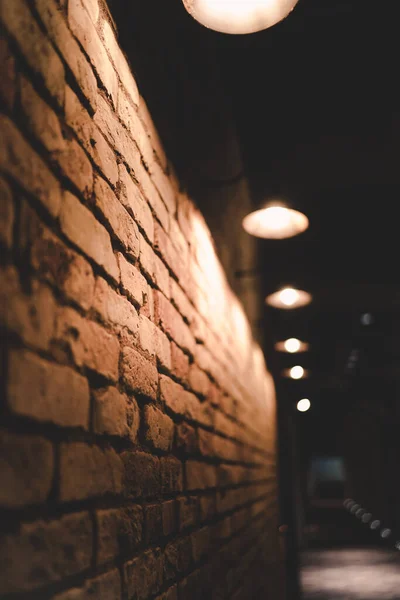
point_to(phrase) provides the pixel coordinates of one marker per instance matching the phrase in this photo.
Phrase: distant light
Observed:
(303, 405)
(366, 518)
(291, 345)
(275, 223)
(239, 16)
(297, 372)
(367, 319)
(397, 545)
(360, 513)
(385, 533)
(354, 508)
(375, 524)
(288, 298)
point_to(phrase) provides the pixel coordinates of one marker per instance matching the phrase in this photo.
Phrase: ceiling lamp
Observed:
(296, 372)
(275, 222)
(288, 298)
(291, 345)
(303, 405)
(239, 16)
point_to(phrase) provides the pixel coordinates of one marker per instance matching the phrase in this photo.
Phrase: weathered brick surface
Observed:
(138, 438)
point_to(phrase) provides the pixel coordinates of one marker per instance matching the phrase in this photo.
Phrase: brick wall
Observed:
(137, 416)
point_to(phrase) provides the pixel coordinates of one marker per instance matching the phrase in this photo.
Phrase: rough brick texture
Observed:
(137, 444)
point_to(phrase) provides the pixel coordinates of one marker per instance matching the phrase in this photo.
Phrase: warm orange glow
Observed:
(288, 298)
(239, 16)
(291, 345)
(275, 222)
(303, 405)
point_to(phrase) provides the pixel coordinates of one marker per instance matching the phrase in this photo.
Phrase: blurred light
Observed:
(397, 545)
(288, 298)
(375, 524)
(296, 372)
(385, 533)
(366, 518)
(367, 319)
(291, 345)
(348, 502)
(354, 508)
(360, 513)
(239, 16)
(275, 223)
(303, 405)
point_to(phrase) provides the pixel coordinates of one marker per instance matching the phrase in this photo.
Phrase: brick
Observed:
(139, 374)
(144, 575)
(201, 543)
(147, 335)
(133, 200)
(120, 532)
(178, 400)
(195, 587)
(181, 301)
(200, 476)
(171, 256)
(115, 414)
(153, 523)
(207, 507)
(130, 118)
(61, 396)
(76, 167)
(172, 323)
(89, 344)
(88, 471)
(26, 469)
(92, 6)
(180, 362)
(121, 224)
(152, 196)
(90, 137)
(147, 258)
(159, 429)
(186, 439)
(35, 47)
(113, 308)
(161, 276)
(133, 284)
(164, 186)
(171, 475)
(6, 214)
(142, 474)
(21, 162)
(81, 227)
(8, 76)
(169, 517)
(41, 119)
(188, 511)
(178, 558)
(82, 27)
(103, 587)
(120, 62)
(55, 262)
(31, 317)
(198, 381)
(163, 350)
(44, 552)
(152, 133)
(61, 36)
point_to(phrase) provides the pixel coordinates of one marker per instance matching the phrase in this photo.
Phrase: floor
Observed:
(351, 574)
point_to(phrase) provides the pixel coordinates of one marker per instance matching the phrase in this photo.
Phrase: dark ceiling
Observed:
(317, 108)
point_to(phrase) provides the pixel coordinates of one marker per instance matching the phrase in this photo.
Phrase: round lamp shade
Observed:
(288, 298)
(275, 223)
(239, 16)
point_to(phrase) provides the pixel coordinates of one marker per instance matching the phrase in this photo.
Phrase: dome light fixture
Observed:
(275, 222)
(303, 405)
(239, 16)
(288, 298)
(292, 345)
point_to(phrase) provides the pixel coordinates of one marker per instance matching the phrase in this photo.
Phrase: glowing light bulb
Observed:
(303, 405)
(296, 372)
(292, 345)
(275, 222)
(288, 298)
(239, 16)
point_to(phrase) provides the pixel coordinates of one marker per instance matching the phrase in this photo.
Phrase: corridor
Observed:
(350, 574)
